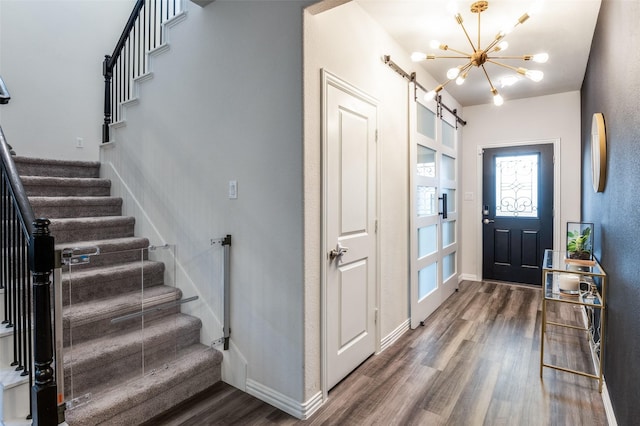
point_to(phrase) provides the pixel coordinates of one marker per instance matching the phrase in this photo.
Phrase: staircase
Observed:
(130, 370)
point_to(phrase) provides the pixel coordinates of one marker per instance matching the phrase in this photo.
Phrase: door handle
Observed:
(338, 251)
(487, 221)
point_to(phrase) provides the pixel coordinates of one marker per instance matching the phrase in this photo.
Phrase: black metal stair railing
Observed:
(26, 245)
(143, 32)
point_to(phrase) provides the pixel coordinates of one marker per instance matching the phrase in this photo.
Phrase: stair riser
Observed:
(6, 348)
(104, 327)
(15, 402)
(36, 190)
(108, 259)
(78, 211)
(90, 232)
(90, 288)
(129, 366)
(57, 170)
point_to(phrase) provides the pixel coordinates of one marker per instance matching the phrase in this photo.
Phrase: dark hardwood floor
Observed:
(475, 362)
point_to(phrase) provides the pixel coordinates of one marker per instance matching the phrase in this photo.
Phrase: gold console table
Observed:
(557, 267)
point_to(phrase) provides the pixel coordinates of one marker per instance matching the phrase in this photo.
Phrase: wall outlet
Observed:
(79, 143)
(233, 189)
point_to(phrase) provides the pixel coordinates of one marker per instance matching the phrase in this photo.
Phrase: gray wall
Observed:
(51, 56)
(611, 86)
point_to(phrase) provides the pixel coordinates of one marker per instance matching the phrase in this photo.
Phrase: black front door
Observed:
(517, 212)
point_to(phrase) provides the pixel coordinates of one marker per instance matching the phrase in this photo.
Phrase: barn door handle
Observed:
(487, 221)
(338, 251)
(444, 206)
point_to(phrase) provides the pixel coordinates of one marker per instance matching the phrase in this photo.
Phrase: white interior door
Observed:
(350, 227)
(433, 206)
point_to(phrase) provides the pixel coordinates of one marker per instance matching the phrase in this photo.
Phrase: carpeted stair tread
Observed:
(65, 207)
(141, 399)
(114, 307)
(70, 229)
(65, 186)
(108, 245)
(115, 280)
(137, 351)
(64, 168)
(100, 282)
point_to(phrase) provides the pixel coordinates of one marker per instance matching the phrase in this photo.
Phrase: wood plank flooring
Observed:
(475, 362)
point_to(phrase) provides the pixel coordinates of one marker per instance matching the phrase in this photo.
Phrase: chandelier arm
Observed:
(449, 57)
(523, 57)
(488, 79)
(503, 65)
(468, 55)
(495, 41)
(467, 35)
(479, 14)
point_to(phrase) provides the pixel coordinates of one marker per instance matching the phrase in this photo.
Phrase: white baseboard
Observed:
(290, 406)
(606, 399)
(234, 368)
(608, 407)
(468, 277)
(395, 335)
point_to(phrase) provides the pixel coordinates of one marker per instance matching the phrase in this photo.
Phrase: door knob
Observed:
(338, 251)
(487, 221)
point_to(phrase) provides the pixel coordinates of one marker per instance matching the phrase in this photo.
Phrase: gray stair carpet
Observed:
(119, 367)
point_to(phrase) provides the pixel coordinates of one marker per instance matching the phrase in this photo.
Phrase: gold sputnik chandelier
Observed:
(480, 56)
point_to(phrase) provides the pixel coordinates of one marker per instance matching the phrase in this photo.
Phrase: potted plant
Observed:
(579, 240)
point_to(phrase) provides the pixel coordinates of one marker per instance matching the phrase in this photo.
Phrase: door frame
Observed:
(557, 189)
(330, 79)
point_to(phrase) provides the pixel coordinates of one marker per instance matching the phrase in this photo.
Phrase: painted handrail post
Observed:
(41, 263)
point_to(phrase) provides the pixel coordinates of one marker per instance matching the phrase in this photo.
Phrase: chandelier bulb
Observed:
(501, 47)
(461, 78)
(497, 98)
(540, 58)
(453, 73)
(452, 7)
(418, 56)
(536, 7)
(534, 75)
(430, 95)
(434, 44)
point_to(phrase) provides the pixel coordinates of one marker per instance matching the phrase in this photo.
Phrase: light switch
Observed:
(233, 189)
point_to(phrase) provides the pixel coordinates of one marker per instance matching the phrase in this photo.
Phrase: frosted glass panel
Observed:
(448, 167)
(426, 201)
(448, 233)
(448, 135)
(517, 186)
(427, 280)
(427, 240)
(451, 200)
(426, 162)
(448, 266)
(426, 121)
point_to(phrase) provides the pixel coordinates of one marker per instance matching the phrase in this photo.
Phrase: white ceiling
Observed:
(563, 29)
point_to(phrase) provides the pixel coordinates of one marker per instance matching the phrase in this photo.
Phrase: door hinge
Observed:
(375, 319)
(376, 226)
(376, 135)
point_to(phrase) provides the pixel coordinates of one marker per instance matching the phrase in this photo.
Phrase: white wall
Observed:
(534, 119)
(349, 44)
(51, 54)
(225, 103)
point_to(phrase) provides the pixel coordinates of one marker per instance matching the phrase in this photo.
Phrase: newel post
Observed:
(41, 264)
(107, 72)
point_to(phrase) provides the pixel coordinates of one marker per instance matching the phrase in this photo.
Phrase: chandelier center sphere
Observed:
(479, 6)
